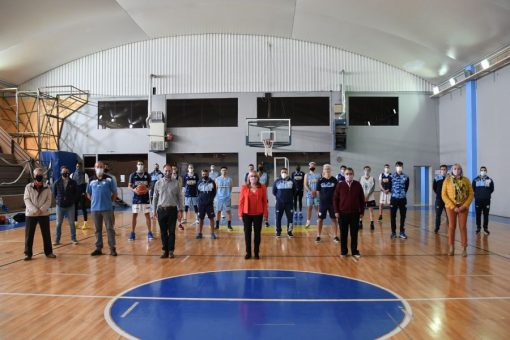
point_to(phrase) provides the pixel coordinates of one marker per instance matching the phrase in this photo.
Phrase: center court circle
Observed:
(258, 304)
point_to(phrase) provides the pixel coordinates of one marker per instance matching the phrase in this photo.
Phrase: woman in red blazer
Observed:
(252, 209)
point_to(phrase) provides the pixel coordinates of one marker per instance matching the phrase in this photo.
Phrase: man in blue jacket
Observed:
(437, 185)
(284, 189)
(205, 199)
(66, 193)
(483, 186)
(399, 187)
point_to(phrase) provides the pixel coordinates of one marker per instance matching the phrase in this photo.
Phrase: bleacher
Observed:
(12, 194)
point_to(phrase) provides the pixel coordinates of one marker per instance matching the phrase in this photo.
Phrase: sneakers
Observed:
(230, 228)
(181, 227)
(75, 242)
(486, 231)
(56, 243)
(132, 236)
(278, 234)
(113, 252)
(307, 225)
(256, 257)
(96, 252)
(247, 256)
(317, 239)
(184, 221)
(290, 234)
(357, 256)
(403, 235)
(478, 229)
(150, 237)
(372, 226)
(336, 239)
(171, 254)
(164, 255)
(84, 225)
(217, 226)
(343, 255)
(300, 215)
(380, 218)
(27, 258)
(436, 231)
(393, 236)
(199, 236)
(267, 224)
(195, 223)
(295, 215)
(213, 237)
(51, 256)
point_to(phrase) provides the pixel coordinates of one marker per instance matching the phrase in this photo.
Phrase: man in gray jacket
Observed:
(37, 199)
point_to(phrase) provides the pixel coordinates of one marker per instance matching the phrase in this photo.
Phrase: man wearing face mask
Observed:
(298, 177)
(349, 205)
(167, 206)
(223, 198)
(284, 189)
(264, 180)
(175, 175)
(82, 180)
(37, 199)
(483, 187)
(312, 199)
(340, 177)
(190, 183)
(213, 174)
(205, 199)
(102, 191)
(326, 189)
(437, 186)
(399, 187)
(65, 191)
(385, 185)
(368, 185)
(251, 168)
(139, 182)
(156, 174)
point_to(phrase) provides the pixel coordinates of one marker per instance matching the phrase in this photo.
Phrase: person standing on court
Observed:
(102, 191)
(399, 187)
(437, 186)
(312, 198)
(483, 187)
(213, 174)
(168, 206)
(223, 199)
(65, 191)
(139, 184)
(341, 175)
(82, 181)
(298, 177)
(368, 184)
(385, 185)
(37, 199)
(326, 189)
(252, 209)
(264, 180)
(284, 189)
(205, 200)
(156, 175)
(349, 205)
(457, 194)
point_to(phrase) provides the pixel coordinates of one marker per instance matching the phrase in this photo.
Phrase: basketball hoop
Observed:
(268, 146)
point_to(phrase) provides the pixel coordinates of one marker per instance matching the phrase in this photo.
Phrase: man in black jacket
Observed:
(437, 186)
(284, 189)
(483, 186)
(66, 193)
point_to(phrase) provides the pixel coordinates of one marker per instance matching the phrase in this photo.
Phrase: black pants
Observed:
(398, 204)
(256, 222)
(482, 207)
(31, 224)
(349, 222)
(282, 208)
(167, 219)
(439, 212)
(81, 202)
(298, 200)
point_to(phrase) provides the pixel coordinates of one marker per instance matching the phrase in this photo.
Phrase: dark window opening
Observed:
(211, 112)
(302, 111)
(373, 111)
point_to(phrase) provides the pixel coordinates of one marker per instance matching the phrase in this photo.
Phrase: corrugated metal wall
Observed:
(226, 63)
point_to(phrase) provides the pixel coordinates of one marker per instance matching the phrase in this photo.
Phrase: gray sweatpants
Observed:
(107, 217)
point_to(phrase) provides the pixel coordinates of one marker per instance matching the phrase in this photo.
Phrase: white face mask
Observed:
(284, 175)
(456, 172)
(253, 180)
(349, 178)
(190, 170)
(367, 172)
(342, 171)
(99, 171)
(386, 170)
(139, 168)
(399, 169)
(443, 173)
(483, 173)
(212, 169)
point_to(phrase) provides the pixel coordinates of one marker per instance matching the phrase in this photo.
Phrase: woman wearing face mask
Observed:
(457, 194)
(252, 209)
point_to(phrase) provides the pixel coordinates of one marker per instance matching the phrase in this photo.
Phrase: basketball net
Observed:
(268, 146)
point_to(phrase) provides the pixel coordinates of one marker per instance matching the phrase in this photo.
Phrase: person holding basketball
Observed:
(139, 183)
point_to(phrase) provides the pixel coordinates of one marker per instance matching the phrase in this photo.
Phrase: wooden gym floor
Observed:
(450, 297)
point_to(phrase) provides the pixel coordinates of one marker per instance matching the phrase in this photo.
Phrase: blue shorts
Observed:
(205, 209)
(323, 211)
(222, 204)
(190, 201)
(312, 201)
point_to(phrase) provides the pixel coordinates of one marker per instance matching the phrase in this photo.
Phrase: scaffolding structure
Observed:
(34, 119)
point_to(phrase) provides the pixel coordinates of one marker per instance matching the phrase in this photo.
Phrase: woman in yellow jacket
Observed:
(457, 194)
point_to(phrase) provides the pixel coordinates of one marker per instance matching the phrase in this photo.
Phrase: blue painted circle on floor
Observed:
(258, 304)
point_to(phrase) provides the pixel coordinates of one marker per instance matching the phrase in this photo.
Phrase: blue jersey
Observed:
(326, 187)
(311, 180)
(190, 183)
(101, 191)
(263, 178)
(223, 187)
(214, 174)
(135, 179)
(399, 185)
(206, 191)
(340, 177)
(299, 179)
(283, 190)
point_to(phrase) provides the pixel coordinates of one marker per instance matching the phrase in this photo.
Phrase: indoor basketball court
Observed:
(140, 142)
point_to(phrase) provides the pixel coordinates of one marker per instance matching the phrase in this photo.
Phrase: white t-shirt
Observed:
(368, 185)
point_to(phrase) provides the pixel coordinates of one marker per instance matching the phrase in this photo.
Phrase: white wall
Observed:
(452, 127)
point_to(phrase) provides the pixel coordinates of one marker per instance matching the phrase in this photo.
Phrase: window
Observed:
(370, 111)
(302, 111)
(125, 114)
(210, 112)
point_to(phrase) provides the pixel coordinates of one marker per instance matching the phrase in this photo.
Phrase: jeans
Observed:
(69, 211)
(107, 217)
(167, 219)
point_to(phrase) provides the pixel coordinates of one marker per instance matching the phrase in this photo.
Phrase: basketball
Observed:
(141, 189)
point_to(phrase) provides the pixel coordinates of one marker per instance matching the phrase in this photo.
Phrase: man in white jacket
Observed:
(37, 199)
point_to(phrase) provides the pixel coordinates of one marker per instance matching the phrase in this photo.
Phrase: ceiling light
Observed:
(113, 119)
(452, 81)
(485, 64)
(130, 126)
(435, 89)
(394, 111)
(369, 123)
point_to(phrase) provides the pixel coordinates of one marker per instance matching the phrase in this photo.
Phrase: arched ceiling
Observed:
(431, 39)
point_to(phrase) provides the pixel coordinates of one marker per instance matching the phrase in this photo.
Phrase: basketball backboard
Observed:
(277, 129)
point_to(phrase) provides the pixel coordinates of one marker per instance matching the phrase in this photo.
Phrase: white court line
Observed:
(272, 277)
(70, 274)
(129, 309)
(184, 259)
(473, 275)
(161, 298)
